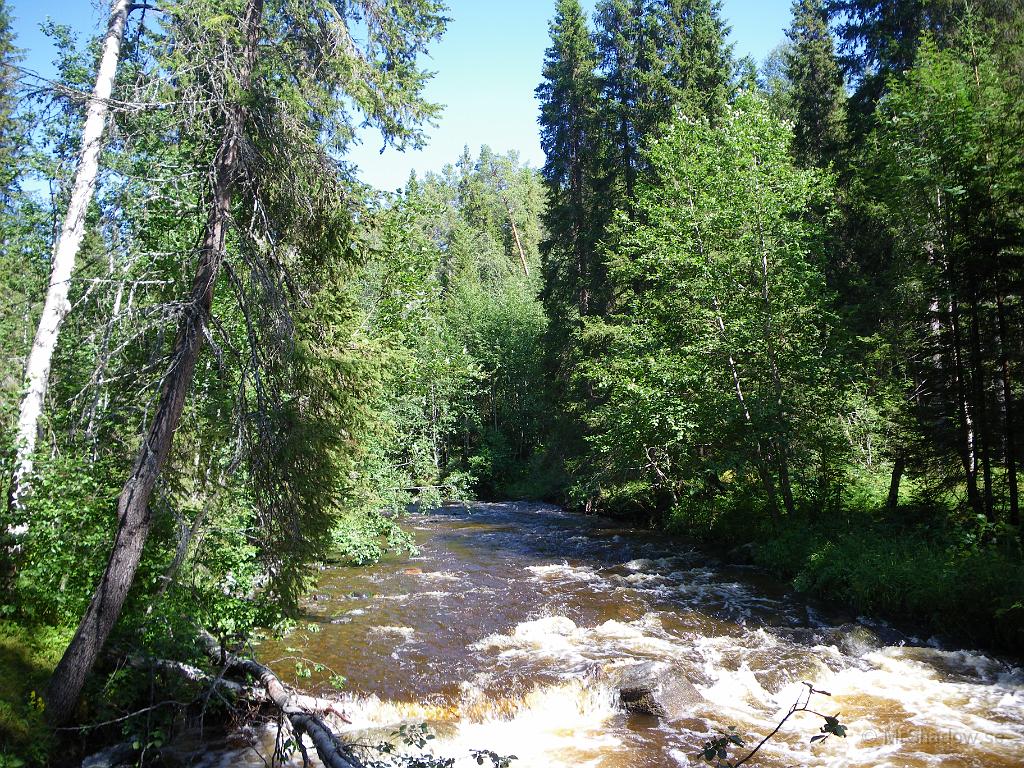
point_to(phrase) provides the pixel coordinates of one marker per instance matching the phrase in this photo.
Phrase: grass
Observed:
(27, 657)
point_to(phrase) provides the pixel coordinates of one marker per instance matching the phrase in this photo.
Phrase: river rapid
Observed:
(500, 634)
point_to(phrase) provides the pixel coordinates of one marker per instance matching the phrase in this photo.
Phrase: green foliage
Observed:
(28, 654)
(682, 318)
(368, 537)
(453, 292)
(946, 574)
(65, 549)
(816, 90)
(711, 369)
(967, 592)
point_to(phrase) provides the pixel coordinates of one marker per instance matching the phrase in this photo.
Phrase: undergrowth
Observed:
(962, 579)
(27, 657)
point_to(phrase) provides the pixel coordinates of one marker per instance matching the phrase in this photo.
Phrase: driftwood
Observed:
(303, 712)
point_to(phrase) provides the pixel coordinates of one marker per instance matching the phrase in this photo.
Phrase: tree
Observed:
(879, 39)
(817, 94)
(18, 219)
(270, 149)
(690, 68)
(57, 306)
(12, 133)
(714, 362)
(568, 121)
(658, 59)
(949, 175)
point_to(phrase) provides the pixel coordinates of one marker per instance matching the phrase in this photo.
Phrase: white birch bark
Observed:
(57, 306)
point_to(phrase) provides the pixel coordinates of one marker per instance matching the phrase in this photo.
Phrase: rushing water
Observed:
(498, 635)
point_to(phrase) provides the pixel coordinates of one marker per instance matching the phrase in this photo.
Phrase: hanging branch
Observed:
(716, 750)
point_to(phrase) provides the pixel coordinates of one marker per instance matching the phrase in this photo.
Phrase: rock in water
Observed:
(655, 688)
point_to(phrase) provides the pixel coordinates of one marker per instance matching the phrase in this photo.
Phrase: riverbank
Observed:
(961, 587)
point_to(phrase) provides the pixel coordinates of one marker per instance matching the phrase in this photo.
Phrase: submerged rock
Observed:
(655, 688)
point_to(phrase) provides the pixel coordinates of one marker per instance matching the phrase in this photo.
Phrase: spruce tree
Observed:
(12, 134)
(817, 95)
(692, 66)
(659, 59)
(618, 45)
(569, 104)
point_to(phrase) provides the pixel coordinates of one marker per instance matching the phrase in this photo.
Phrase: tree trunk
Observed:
(1008, 415)
(786, 483)
(303, 712)
(519, 242)
(133, 513)
(968, 450)
(56, 306)
(898, 467)
(762, 466)
(981, 411)
(578, 228)
(782, 445)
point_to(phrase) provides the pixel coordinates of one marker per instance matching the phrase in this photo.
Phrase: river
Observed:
(499, 633)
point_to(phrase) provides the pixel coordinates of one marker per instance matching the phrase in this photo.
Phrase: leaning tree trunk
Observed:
(57, 306)
(133, 514)
(515, 234)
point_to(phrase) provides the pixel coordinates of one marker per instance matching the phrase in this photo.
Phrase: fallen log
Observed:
(303, 712)
(257, 694)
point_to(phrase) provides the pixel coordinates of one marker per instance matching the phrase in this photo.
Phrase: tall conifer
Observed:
(569, 103)
(817, 94)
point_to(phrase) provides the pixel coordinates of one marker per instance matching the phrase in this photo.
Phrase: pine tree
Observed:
(817, 95)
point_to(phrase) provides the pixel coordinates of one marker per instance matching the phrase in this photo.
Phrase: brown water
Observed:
(496, 635)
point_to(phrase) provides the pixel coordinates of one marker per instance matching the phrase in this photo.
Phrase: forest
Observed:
(769, 309)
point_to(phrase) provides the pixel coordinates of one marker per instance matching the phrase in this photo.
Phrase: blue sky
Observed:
(487, 66)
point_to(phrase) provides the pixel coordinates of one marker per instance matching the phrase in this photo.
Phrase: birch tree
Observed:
(714, 363)
(57, 306)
